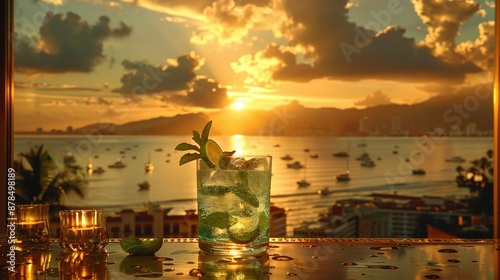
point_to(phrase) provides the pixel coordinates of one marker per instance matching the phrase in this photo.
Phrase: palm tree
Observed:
(40, 180)
(479, 179)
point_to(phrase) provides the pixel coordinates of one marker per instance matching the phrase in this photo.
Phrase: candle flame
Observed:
(84, 221)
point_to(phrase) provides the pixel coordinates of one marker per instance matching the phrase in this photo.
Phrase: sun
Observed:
(238, 105)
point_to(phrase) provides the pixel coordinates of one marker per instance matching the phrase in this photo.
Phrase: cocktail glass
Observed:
(233, 205)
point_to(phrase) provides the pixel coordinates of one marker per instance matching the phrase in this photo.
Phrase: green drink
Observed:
(233, 205)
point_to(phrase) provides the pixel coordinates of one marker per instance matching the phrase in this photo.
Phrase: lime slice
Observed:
(136, 246)
(211, 151)
(239, 236)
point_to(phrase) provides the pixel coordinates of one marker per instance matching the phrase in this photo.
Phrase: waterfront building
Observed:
(156, 222)
(384, 215)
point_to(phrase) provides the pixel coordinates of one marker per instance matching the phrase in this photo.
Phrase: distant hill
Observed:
(441, 111)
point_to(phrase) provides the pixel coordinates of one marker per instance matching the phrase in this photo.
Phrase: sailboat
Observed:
(344, 176)
(90, 167)
(304, 183)
(149, 165)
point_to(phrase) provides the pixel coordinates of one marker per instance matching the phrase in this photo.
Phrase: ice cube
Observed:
(237, 163)
(259, 163)
(223, 177)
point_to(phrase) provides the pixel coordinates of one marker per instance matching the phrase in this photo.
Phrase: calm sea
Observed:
(175, 186)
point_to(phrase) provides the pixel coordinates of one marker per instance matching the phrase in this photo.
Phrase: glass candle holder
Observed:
(83, 265)
(32, 224)
(83, 230)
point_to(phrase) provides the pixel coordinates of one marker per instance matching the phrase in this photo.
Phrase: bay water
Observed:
(174, 186)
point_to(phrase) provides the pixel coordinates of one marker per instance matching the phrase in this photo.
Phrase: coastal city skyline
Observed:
(81, 62)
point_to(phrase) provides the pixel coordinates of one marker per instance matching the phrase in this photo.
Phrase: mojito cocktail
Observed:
(233, 205)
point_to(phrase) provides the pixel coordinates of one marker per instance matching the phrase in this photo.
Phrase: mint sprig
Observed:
(200, 140)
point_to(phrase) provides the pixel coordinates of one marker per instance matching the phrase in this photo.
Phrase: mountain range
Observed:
(441, 111)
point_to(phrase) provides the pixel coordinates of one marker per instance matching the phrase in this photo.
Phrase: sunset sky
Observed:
(85, 61)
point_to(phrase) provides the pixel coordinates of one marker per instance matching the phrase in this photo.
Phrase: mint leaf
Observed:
(188, 157)
(217, 219)
(196, 137)
(215, 190)
(245, 194)
(205, 132)
(186, 147)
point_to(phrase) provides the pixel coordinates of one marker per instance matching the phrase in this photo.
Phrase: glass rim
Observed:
(244, 156)
(72, 211)
(37, 205)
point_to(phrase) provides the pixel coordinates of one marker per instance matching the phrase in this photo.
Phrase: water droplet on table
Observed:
(447, 251)
(282, 258)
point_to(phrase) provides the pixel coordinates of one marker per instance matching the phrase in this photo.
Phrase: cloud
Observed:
(177, 83)
(443, 19)
(221, 21)
(66, 43)
(205, 93)
(482, 50)
(145, 78)
(97, 101)
(51, 87)
(374, 99)
(229, 21)
(323, 43)
(58, 103)
(490, 4)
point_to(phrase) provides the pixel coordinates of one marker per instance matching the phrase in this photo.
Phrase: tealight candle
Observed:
(32, 223)
(83, 230)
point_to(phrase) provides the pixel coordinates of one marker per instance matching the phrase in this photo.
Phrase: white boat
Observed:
(368, 163)
(363, 156)
(295, 165)
(418, 172)
(324, 191)
(90, 167)
(118, 164)
(149, 167)
(144, 185)
(341, 154)
(98, 170)
(303, 183)
(70, 160)
(343, 177)
(287, 157)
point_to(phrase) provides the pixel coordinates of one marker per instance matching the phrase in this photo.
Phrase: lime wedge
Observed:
(239, 236)
(145, 247)
(211, 151)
